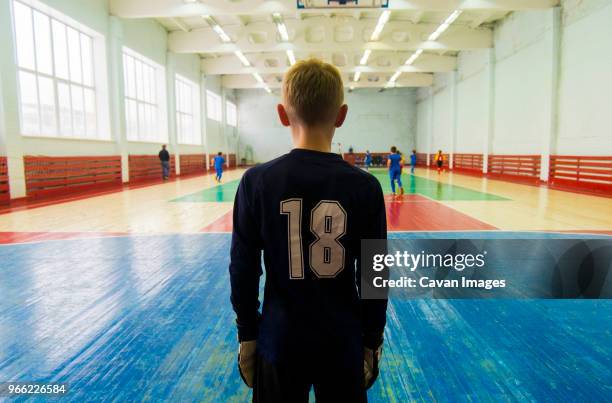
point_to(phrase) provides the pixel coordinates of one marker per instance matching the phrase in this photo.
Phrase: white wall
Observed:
(546, 89)
(585, 89)
(258, 126)
(375, 121)
(521, 69)
(424, 110)
(378, 120)
(472, 102)
(525, 118)
(443, 114)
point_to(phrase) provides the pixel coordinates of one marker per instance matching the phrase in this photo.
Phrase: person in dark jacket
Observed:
(164, 157)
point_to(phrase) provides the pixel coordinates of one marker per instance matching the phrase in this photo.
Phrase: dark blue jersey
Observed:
(219, 161)
(308, 212)
(395, 162)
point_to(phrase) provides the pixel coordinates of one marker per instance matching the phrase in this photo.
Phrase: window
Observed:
(144, 98)
(213, 106)
(187, 111)
(57, 74)
(230, 113)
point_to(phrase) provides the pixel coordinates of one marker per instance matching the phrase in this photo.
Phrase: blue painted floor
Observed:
(148, 318)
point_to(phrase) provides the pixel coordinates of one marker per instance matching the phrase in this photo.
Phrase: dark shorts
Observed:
(439, 164)
(334, 380)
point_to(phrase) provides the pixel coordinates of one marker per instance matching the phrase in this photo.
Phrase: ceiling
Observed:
(242, 39)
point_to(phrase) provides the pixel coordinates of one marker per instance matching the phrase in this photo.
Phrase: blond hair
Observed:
(313, 92)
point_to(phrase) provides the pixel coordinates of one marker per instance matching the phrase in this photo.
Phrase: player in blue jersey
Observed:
(394, 163)
(218, 162)
(307, 211)
(413, 161)
(368, 160)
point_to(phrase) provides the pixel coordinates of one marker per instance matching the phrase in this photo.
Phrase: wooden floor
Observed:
(125, 297)
(433, 202)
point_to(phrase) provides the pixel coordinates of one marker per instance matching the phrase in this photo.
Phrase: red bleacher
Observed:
(193, 164)
(590, 174)
(468, 162)
(421, 159)
(5, 195)
(147, 167)
(231, 158)
(46, 176)
(520, 168)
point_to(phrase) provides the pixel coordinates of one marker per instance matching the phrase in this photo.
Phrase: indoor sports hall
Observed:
(114, 274)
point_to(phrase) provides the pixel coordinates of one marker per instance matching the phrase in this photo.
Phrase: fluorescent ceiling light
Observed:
(414, 56)
(364, 58)
(444, 26)
(224, 37)
(291, 56)
(280, 25)
(451, 18)
(242, 58)
(395, 76)
(190, 1)
(384, 17)
(217, 28)
(356, 76)
(258, 78)
(268, 90)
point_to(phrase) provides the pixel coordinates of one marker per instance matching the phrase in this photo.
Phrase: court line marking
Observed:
(593, 235)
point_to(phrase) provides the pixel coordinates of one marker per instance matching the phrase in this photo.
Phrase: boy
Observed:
(439, 160)
(413, 161)
(218, 162)
(394, 163)
(308, 211)
(368, 160)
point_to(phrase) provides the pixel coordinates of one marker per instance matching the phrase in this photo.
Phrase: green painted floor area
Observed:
(412, 185)
(224, 192)
(433, 189)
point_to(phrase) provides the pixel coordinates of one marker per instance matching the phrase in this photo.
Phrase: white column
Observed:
(10, 128)
(550, 109)
(224, 125)
(171, 91)
(203, 120)
(454, 100)
(116, 94)
(431, 124)
(488, 140)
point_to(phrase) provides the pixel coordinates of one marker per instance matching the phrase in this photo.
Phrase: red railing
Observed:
(467, 162)
(421, 159)
(592, 174)
(231, 158)
(147, 167)
(192, 164)
(5, 195)
(522, 168)
(46, 176)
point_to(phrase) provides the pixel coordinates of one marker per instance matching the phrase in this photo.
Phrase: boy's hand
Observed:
(246, 361)
(371, 358)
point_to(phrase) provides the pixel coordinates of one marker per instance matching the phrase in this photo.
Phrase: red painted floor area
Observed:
(223, 224)
(418, 213)
(404, 213)
(21, 237)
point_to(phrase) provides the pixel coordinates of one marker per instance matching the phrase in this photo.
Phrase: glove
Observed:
(246, 361)
(371, 358)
